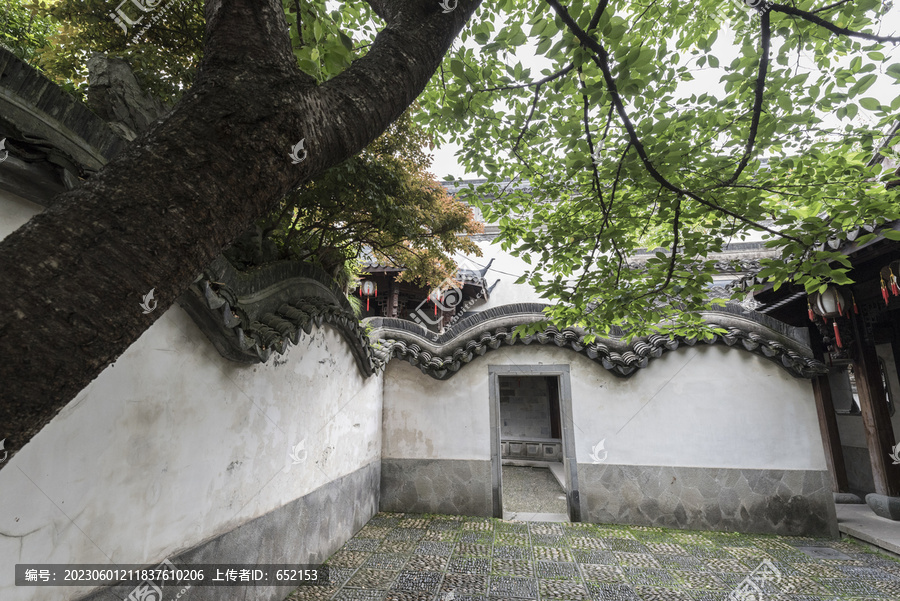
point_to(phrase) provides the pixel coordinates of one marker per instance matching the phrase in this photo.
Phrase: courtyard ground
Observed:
(415, 557)
(531, 490)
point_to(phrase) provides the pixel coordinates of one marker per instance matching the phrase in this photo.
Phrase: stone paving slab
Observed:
(416, 557)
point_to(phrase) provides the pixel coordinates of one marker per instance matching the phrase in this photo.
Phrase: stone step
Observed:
(557, 470)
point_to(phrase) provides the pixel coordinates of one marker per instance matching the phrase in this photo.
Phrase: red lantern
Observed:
(889, 280)
(830, 303)
(435, 297)
(368, 288)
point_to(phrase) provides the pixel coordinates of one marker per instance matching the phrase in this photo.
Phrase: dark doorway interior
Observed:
(531, 446)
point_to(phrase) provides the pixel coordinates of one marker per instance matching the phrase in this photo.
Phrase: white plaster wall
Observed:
(428, 419)
(14, 212)
(173, 445)
(707, 406)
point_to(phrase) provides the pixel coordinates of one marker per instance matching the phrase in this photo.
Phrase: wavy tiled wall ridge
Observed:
(249, 315)
(493, 328)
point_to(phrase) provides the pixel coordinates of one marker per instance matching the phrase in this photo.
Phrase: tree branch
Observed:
(299, 21)
(672, 257)
(75, 274)
(765, 43)
(830, 6)
(585, 118)
(601, 59)
(538, 83)
(524, 128)
(835, 29)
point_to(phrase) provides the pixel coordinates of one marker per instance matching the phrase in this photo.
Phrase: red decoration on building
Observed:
(369, 289)
(888, 279)
(831, 303)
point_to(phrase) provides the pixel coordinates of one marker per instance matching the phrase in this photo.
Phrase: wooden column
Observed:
(394, 305)
(875, 416)
(831, 439)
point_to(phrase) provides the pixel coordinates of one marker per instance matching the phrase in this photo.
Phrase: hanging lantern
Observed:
(830, 303)
(368, 289)
(812, 316)
(436, 297)
(889, 281)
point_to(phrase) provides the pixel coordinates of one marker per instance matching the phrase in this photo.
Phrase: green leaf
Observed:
(870, 104)
(458, 68)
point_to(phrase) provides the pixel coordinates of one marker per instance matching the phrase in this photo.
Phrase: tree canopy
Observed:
(25, 29)
(671, 126)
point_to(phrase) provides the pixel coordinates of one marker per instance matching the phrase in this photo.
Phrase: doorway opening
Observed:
(533, 461)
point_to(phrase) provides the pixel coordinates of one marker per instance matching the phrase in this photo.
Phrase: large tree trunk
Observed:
(73, 276)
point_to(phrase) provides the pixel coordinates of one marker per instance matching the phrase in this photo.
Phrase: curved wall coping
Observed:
(482, 332)
(43, 111)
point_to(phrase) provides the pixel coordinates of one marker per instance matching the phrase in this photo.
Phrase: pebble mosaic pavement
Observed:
(414, 557)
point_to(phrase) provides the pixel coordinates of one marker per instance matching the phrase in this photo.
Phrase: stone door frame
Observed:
(567, 431)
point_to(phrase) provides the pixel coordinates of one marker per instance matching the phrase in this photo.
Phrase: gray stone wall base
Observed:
(448, 486)
(305, 531)
(786, 502)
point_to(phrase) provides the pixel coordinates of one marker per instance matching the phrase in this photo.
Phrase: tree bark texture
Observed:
(74, 276)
